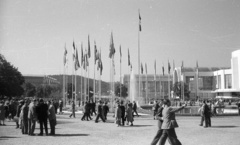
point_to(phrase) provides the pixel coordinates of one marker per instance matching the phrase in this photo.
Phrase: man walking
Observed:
(99, 112)
(122, 107)
(105, 110)
(135, 108)
(169, 124)
(73, 110)
(32, 117)
(206, 115)
(24, 112)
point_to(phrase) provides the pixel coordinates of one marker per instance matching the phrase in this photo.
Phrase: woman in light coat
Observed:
(118, 114)
(129, 114)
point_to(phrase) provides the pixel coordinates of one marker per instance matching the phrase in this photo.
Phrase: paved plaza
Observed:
(225, 130)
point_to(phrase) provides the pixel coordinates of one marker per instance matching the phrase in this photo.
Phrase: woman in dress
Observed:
(129, 114)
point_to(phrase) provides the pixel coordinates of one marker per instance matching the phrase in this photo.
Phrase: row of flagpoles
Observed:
(84, 67)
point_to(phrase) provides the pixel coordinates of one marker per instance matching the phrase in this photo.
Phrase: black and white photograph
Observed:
(119, 72)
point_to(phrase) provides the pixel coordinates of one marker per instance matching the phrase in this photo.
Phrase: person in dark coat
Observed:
(122, 107)
(155, 109)
(60, 107)
(105, 110)
(32, 117)
(135, 108)
(42, 113)
(99, 112)
(86, 111)
(206, 114)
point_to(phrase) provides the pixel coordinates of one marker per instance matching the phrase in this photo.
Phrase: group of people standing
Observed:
(28, 112)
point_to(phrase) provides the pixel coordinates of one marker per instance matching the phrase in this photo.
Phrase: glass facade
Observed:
(228, 81)
(207, 83)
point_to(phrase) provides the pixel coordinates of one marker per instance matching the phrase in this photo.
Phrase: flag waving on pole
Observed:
(146, 68)
(163, 70)
(141, 68)
(155, 69)
(129, 63)
(77, 64)
(140, 27)
(82, 56)
(95, 52)
(112, 48)
(73, 50)
(65, 56)
(169, 67)
(120, 51)
(89, 50)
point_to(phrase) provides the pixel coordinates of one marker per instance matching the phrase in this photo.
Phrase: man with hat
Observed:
(99, 112)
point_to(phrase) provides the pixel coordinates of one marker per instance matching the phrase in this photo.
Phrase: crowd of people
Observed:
(29, 111)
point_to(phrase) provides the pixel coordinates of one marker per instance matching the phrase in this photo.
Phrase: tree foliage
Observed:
(29, 90)
(11, 79)
(123, 89)
(177, 89)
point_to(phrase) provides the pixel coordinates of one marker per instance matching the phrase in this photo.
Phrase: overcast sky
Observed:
(33, 32)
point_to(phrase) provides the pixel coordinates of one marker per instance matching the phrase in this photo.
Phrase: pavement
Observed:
(225, 130)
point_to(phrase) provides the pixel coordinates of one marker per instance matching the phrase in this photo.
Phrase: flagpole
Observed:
(81, 88)
(94, 99)
(139, 57)
(120, 78)
(75, 94)
(64, 82)
(146, 89)
(88, 82)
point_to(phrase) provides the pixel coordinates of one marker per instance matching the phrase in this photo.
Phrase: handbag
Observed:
(174, 123)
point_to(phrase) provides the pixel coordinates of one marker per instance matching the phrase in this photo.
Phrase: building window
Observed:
(228, 81)
(219, 81)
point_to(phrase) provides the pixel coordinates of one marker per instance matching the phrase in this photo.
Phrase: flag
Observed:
(140, 27)
(182, 67)
(65, 56)
(131, 67)
(113, 64)
(169, 67)
(101, 67)
(120, 51)
(163, 70)
(77, 64)
(129, 63)
(197, 72)
(146, 68)
(73, 50)
(173, 65)
(82, 56)
(95, 52)
(112, 48)
(89, 50)
(141, 68)
(86, 59)
(155, 70)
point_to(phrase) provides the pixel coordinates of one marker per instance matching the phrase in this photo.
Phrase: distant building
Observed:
(202, 82)
(40, 80)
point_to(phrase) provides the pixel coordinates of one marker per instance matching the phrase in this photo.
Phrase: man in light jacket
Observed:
(169, 124)
(52, 117)
(32, 117)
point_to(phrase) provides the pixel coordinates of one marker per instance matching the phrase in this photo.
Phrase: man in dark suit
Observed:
(24, 111)
(99, 112)
(169, 124)
(122, 107)
(135, 108)
(206, 114)
(42, 113)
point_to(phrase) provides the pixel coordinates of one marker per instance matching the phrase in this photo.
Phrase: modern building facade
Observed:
(40, 80)
(202, 82)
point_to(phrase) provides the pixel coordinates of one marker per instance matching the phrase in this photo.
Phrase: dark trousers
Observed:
(60, 110)
(72, 114)
(172, 137)
(157, 137)
(25, 126)
(52, 126)
(101, 116)
(86, 115)
(135, 111)
(207, 121)
(31, 126)
(202, 119)
(105, 115)
(123, 119)
(43, 122)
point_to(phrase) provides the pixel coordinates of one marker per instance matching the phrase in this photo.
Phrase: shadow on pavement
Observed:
(69, 135)
(224, 126)
(7, 137)
(140, 125)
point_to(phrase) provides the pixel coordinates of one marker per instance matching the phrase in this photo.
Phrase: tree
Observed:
(177, 89)
(29, 89)
(11, 80)
(123, 89)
